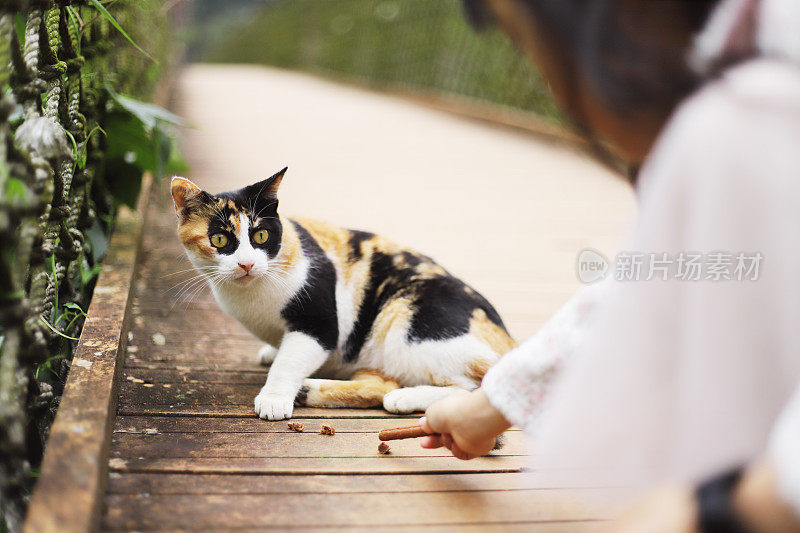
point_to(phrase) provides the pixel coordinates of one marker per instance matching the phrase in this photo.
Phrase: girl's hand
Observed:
(466, 423)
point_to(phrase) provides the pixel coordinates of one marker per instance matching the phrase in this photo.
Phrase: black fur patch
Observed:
(302, 396)
(380, 269)
(356, 238)
(442, 306)
(313, 309)
(219, 224)
(444, 309)
(263, 208)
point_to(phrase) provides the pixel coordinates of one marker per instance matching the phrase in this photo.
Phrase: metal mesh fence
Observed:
(60, 63)
(421, 45)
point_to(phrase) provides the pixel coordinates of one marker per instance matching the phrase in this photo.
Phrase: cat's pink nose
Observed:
(246, 267)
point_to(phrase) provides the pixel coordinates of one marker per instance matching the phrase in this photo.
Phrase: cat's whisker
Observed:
(188, 287)
(183, 271)
(191, 292)
(186, 282)
(189, 284)
(184, 295)
(186, 301)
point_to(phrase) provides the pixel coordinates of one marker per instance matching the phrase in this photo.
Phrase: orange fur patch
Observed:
(183, 191)
(395, 314)
(366, 389)
(433, 380)
(290, 245)
(490, 333)
(477, 369)
(332, 239)
(193, 232)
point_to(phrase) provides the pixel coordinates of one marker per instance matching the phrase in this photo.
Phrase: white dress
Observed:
(678, 380)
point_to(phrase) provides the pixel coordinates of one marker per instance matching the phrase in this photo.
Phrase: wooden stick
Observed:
(406, 432)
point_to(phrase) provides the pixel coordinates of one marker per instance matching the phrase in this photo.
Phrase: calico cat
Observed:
(384, 324)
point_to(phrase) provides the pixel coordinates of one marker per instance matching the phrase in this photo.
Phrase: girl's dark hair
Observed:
(631, 54)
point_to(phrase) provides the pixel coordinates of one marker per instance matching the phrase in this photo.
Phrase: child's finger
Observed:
(435, 419)
(431, 442)
(423, 423)
(447, 441)
(460, 454)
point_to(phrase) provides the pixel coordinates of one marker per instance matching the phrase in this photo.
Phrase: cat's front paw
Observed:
(403, 401)
(266, 355)
(274, 406)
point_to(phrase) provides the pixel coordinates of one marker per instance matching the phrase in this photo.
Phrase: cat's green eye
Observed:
(218, 240)
(261, 236)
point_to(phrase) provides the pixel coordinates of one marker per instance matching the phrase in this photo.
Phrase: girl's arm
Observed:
(519, 383)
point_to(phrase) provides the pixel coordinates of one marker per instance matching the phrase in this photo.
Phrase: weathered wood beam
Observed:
(69, 493)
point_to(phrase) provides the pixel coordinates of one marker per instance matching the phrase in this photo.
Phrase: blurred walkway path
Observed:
(505, 212)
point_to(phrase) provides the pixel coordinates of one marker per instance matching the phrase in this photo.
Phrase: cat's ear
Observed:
(185, 193)
(267, 189)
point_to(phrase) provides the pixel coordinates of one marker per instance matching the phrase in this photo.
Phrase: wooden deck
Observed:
(504, 211)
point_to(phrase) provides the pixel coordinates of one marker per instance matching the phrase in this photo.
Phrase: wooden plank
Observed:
(75, 459)
(321, 510)
(190, 394)
(196, 344)
(157, 295)
(319, 465)
(246, 411)
(560, 526)
(311, 484)
(253, 376)
(211, 323)
(148, 301)
(186, 394)
(131, 361)
(177, 331)
(309, 443)
(565, 526)
(177, 424)
(196, 347)
(571, 526)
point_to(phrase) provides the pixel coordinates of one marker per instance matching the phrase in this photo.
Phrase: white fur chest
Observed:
(258, 304)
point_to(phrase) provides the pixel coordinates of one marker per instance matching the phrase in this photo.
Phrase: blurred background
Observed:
(424, 46)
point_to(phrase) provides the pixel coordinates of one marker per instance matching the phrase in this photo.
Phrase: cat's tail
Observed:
(366, 389)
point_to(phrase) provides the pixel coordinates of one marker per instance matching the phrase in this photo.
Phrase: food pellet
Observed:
(296, 426)
(327, 430)
(384, 448)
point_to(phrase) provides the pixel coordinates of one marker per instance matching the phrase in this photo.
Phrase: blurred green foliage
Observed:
(72, 149)
(423, 45)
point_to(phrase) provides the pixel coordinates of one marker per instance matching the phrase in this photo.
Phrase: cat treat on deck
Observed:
(406, 432)
(383, 449)
(296, 426)
(327, 430)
